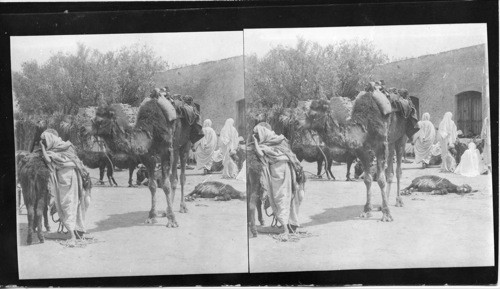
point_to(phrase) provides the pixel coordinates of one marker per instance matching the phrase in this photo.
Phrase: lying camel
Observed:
(436, 185)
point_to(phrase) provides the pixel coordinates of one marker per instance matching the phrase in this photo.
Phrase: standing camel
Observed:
(366, 129)
(153, 137)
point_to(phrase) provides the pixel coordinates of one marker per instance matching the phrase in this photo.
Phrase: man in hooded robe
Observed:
(471, 164)
(282, 176)
(486, 137)
(229, 144)
(205, 147)
(68, 196)
(423, 140)
(447, 136)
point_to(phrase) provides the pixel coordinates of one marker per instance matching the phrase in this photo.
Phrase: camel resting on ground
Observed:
(436, 185)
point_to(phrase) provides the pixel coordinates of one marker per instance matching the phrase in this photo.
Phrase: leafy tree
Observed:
(349, 65)
(67, 82)
(275, 84)
(136, 67)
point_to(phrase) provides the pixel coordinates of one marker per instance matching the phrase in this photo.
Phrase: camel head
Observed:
(464, 189)
(109, 121)
(316, 116)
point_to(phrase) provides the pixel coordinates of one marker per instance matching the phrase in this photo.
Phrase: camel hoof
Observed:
(365, 215)
(387, 218)
(183, 209)
(132, 186)
(172, 224)
(399, 202)
(262, 223)
(349, 180)
(151, 221)
(47, 229)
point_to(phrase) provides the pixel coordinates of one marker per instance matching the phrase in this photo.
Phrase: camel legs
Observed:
(183, 154)
(19, 204)
(364, 158)
(389, 172)
(131, 169)
(320, 166)
(150, 165)
(252, 206)
(259, 211)
(348, 175)
(40, 206)
(168, 189)
(30, 209)
(381, 179)
(46, 217)
(101, 175)
(399, 171)
(329, 169)
(111, 179)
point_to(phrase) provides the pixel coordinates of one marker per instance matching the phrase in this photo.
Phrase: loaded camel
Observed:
(372, 126)
(158, 133)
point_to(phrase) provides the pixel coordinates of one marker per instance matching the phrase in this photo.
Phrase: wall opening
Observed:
(469, 114)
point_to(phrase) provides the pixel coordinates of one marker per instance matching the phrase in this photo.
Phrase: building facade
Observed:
(217, 86)
(455, 81)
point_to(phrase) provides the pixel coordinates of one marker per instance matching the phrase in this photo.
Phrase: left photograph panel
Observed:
(130, 154)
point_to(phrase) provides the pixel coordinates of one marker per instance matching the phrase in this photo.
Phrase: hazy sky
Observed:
(175, 48)
(395, 41)
(195, 47)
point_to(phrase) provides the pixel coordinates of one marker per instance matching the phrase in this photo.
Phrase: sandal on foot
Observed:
(292, 228)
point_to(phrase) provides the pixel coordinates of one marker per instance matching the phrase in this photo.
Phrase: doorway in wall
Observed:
(469, 113)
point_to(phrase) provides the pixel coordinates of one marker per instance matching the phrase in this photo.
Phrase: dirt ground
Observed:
(429, 231)
(211, 237)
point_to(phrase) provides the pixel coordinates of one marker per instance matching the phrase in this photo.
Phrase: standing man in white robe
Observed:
(424, 139)
(229, 144)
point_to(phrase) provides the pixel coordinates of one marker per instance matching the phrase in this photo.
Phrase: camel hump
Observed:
(382, 101)
(166, 107)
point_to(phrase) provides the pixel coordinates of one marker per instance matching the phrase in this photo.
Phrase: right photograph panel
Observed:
(368, 148)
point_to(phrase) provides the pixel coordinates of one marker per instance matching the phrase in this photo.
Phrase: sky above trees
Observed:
(397, 42)
(177, 49)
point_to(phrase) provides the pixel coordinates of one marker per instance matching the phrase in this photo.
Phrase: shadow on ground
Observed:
(124, 220)
(269, 230)
(335, 215)
(23, 234)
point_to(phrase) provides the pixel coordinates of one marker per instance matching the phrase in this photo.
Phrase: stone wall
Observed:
(436, 79)
(215, 85)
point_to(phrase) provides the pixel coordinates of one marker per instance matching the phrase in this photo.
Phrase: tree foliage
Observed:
(276, 83)
(67, 82)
